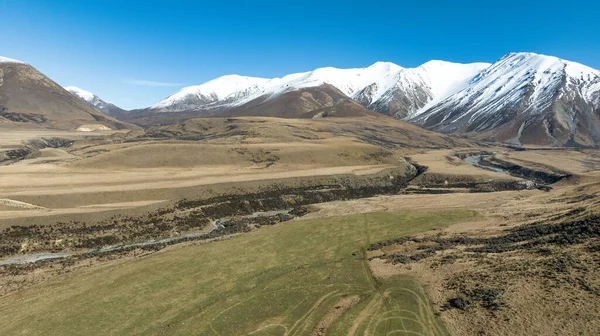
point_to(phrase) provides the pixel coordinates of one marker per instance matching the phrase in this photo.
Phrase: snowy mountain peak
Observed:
(541, 75)
(95, 102)
(578, 70)
(9, 60)
(234, 90)
(445, 77)
(215, 90)
(83, 94)
(385, 67)
(405, 91)
(435, 64)
(529, 60)
(544, 63)
(224, 86)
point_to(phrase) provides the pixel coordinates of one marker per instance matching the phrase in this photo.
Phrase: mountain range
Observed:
(523, 98)
(383, 87)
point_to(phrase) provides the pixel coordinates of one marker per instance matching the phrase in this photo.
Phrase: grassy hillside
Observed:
(299, 278)
(29, 98)
(374, 129)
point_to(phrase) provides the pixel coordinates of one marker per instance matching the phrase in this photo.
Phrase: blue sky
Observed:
(134, 53)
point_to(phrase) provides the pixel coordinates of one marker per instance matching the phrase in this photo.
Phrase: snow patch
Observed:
(83, 94)
(9, 60)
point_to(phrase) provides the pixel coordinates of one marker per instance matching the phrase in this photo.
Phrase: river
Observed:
(35, 257)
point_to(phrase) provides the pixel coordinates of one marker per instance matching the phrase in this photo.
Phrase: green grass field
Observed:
(278, 280)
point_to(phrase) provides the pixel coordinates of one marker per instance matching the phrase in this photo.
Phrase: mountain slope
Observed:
(310, 102)
(95, 101)
(405, 92)
(28, 97)
(323, 101)
(524, 98)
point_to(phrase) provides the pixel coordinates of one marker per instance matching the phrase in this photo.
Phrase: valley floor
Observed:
(293, 229)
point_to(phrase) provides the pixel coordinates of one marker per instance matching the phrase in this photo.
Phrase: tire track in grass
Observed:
(375, 302)
(306, 316)
(376, 285)
(426, 311)
(339, 308)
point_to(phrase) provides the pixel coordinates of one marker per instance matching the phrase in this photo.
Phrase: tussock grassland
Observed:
(307, 276)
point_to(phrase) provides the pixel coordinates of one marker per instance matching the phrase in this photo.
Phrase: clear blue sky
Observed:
(134, 53)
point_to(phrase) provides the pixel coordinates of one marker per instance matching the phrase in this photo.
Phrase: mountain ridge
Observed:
(369, 85)
(96, 102)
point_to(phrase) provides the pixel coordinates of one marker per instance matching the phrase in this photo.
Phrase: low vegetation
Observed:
(485, 273)
(193, 215)
(279, 279)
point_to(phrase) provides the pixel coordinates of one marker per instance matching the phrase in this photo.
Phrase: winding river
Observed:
(475, 160)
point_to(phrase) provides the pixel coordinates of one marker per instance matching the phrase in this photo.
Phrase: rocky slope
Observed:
(404, 93)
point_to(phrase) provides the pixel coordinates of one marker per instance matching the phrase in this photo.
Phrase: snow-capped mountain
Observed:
(95, 101)
(405, 92)
(383, 86)
(234, 90)
(221, 91)
(524, 98)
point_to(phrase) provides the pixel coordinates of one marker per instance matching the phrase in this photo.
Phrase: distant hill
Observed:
(29, 97)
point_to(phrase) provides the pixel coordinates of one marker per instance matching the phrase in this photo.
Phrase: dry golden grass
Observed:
(445, 161)
(373, 128)
(321, 153)
(104, 173)
(11, 137)
(574, 161)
